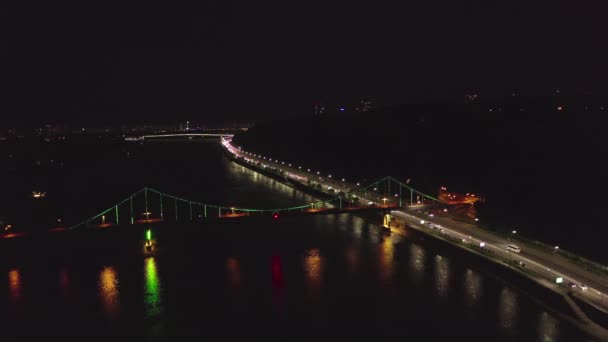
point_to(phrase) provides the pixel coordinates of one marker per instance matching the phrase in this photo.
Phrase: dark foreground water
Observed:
(334, 277)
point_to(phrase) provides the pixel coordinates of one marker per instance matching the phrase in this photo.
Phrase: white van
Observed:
(513, 248)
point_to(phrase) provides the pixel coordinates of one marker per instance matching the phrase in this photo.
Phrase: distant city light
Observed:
(38, 194)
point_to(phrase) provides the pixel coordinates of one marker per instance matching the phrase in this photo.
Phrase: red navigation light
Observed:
(275, 215)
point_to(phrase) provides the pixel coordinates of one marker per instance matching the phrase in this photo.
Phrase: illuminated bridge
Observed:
(174, 135)
(149, 205)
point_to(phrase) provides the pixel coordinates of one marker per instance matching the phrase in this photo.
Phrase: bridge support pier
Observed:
(386, 223)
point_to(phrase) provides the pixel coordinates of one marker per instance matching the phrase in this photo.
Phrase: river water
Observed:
(326, 277)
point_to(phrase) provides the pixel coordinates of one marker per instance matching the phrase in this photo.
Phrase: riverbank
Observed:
(553, 296)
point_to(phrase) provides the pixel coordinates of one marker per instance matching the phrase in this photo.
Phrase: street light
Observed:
(514, 232)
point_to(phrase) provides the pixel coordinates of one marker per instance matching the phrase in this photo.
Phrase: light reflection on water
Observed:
(275, 189)
(386, 255)
(64, 281)
(472, 287)
(344, 220)
(417, 259)
(313, 266)
(548, 328)
(233, 272)
(442, 274)
(109, 291)
(154, 315)
(508, 309)
(358, 225)
(152, 297)
(278, 283)
(14, 284)
(351, 255)
(375, 236)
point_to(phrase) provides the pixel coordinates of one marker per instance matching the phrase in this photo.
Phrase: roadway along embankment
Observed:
(524, 265)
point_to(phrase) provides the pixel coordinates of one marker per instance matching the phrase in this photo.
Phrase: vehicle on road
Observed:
(513, 248)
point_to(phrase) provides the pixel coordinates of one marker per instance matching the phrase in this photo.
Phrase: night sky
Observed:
(117, 61)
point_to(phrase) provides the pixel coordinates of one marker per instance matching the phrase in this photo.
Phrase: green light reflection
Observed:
(153, 290)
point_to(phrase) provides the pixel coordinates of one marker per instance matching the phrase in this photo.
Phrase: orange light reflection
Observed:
(233, 271)
(14, 284)
(109, 291)
(313, 265)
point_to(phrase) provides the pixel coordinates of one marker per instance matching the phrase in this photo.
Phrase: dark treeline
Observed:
(539, 161)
